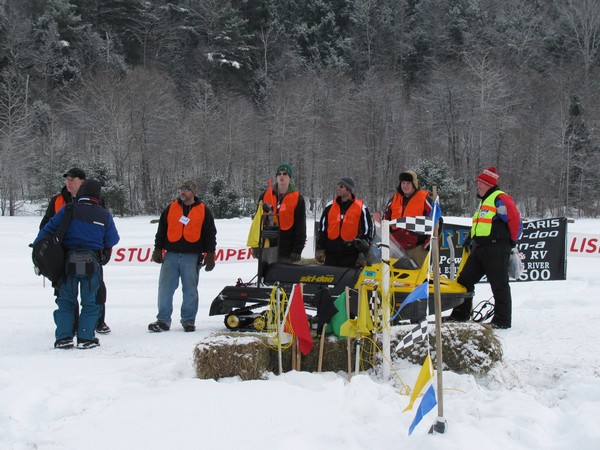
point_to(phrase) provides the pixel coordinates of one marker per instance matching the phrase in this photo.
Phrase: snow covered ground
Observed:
(138, 390)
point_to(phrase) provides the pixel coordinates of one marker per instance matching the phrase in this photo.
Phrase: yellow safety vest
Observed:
(482, 219)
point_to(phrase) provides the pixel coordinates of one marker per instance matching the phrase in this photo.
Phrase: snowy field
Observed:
(138, 390)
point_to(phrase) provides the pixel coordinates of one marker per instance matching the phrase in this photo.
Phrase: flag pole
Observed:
(440, 425)
(386, 300)
(348, 343)
(298, 352)
(279, 329)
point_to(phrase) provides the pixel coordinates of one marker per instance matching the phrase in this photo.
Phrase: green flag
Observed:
(340, 317)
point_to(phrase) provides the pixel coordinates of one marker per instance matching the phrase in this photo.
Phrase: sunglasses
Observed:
(282, 173)
(184, 189)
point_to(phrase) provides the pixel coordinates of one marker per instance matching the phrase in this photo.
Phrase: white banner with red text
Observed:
(141, 254)
(584, 244)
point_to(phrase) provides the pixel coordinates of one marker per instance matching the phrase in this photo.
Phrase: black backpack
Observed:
(48, 254)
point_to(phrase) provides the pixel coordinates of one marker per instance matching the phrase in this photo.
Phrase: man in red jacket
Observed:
(409, 201)
(495, 231)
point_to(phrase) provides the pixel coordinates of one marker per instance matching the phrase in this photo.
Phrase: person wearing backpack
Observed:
(74, 178)
(88, 242)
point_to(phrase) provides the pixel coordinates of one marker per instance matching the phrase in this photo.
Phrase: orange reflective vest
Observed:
(348, 227)
(190, 232)
(286, 209)
(59, 203)
(414, 207)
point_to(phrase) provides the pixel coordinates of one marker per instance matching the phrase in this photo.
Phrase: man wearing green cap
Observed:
(289, 204)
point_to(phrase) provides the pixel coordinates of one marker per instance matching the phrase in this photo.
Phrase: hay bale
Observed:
(466, 347)
(249, 356)
(231, 354)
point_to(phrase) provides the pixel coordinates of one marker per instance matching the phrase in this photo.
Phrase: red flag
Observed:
(296, 322)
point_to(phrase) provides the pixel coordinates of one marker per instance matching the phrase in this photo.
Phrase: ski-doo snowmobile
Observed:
(244, 304)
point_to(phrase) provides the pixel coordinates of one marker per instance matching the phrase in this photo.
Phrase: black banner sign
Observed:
(543, 248)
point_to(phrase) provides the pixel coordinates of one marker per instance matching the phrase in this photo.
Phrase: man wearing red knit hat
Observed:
(495, 232)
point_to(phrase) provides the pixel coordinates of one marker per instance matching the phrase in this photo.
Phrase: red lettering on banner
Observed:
(242, 254)
(230, 253)
(592, 247)
(573, 249)
(585, 245)
(131, 252)
(219, 255)
(146, 258)
(120, 256)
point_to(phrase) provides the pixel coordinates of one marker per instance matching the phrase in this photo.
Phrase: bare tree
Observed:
(583, 23)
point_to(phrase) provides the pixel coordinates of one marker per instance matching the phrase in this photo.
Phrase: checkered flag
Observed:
(417, 334)
(375, 307)
(416, 224)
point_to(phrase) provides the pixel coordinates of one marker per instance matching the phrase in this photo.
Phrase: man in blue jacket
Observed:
(89, 240)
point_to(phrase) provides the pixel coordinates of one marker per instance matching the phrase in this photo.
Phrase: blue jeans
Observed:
(67, 302)
(175, 266)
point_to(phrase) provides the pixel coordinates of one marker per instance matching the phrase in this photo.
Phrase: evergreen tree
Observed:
(450, 191)
(223, 201)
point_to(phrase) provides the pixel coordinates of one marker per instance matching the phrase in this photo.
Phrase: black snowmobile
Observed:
(244, 304)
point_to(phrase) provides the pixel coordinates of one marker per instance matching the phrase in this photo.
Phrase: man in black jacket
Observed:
(344, 219)
(186, 231)
(74, 178)
(89, 240)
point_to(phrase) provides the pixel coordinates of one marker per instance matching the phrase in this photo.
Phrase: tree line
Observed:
(142, 94)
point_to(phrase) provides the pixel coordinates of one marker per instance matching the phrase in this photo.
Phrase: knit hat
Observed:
(409, 175)
(188, 184)
(348, 183)
(489, 176)
(75, 172)
(284, 167)
(90, 188)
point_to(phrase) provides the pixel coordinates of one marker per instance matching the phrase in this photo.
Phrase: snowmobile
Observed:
(245, 304)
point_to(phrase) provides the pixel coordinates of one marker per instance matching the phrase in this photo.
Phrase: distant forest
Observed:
(144, 93)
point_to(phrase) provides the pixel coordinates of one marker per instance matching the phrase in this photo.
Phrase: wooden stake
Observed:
(321, 349)
(294, 351)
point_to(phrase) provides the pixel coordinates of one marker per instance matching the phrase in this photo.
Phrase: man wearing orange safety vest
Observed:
(344, 219)
(409, 201)
(289, 205)
(74, 178)
(186, 239)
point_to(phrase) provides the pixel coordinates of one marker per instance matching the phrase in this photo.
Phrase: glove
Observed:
(209, 262)
(157, 256)
(105, 256)
(320, 256)
(361, 260)
(255, 252)
(470, 244)
(294, 257)
(467, 243)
